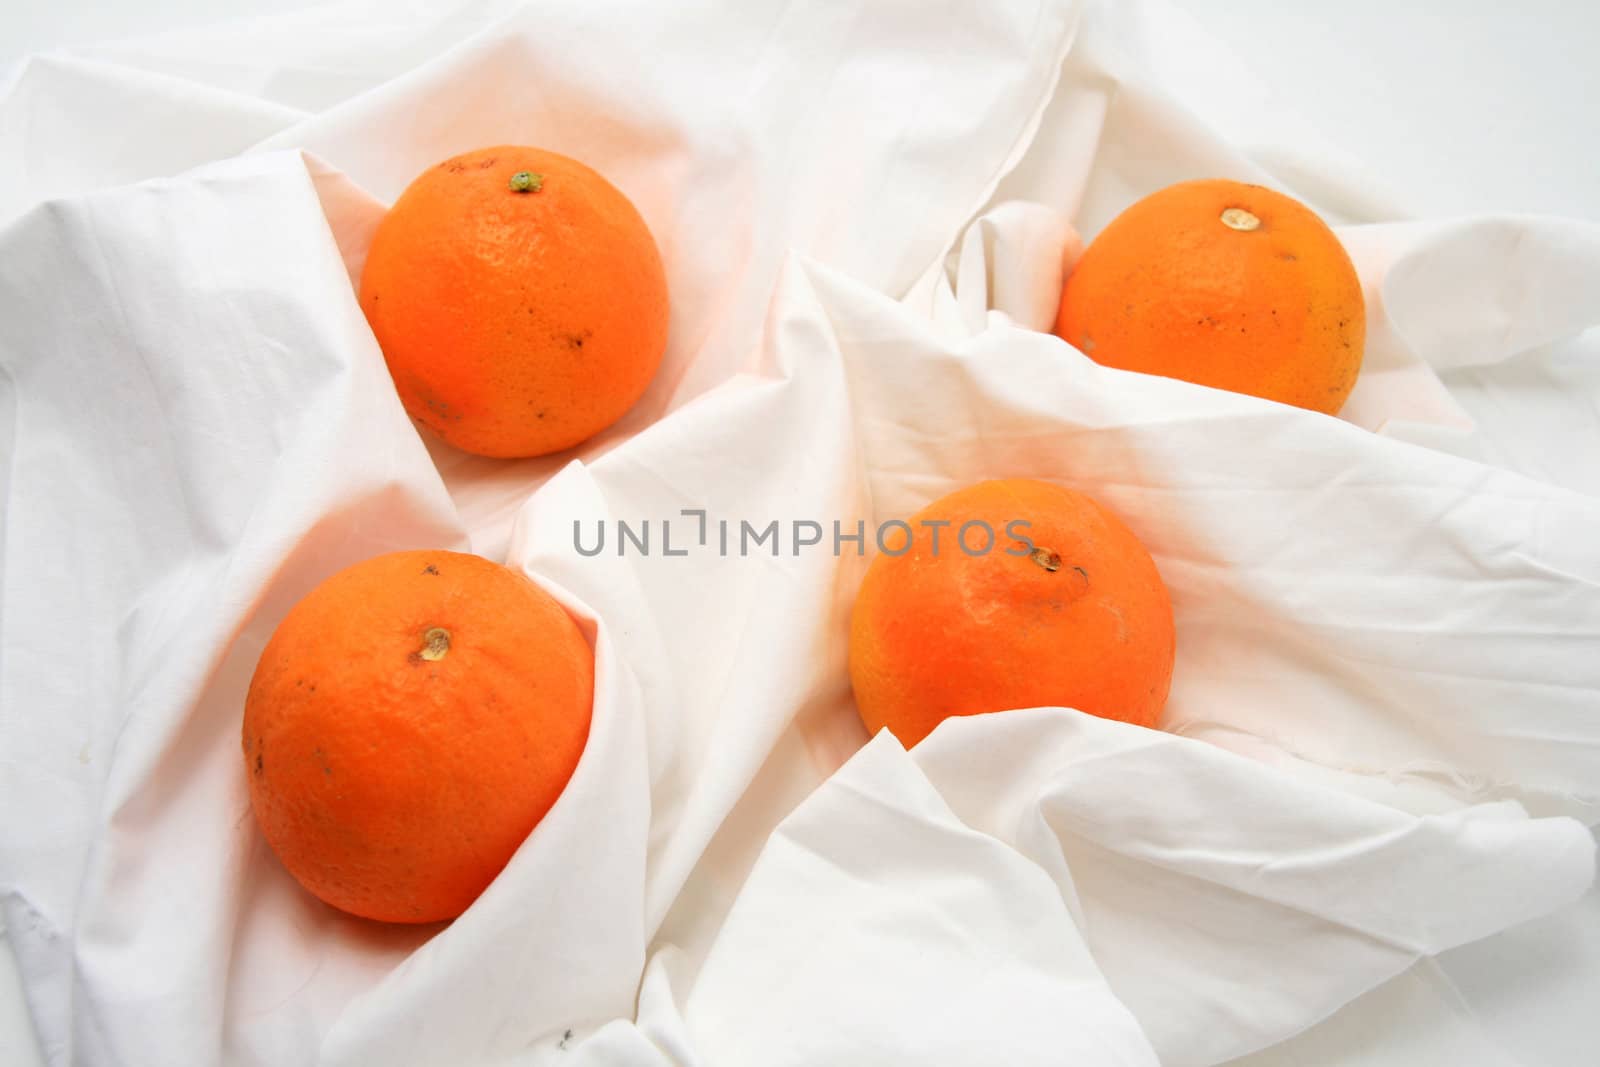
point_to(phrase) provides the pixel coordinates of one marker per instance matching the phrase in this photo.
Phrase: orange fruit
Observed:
(409, 723)
(519, 300)
(1065, 608)
(1223, 284)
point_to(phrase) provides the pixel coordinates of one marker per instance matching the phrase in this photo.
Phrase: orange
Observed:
(1222, 284)
(1065, 608)
(408, 725)
(519, 300)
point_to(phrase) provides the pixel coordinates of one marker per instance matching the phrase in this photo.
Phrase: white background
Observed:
(1465, 106)
(1458, 106)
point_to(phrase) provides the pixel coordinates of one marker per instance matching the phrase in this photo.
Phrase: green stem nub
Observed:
(435, 643)
(526, 181)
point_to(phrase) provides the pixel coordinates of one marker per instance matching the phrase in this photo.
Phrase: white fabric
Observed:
(1383, 741)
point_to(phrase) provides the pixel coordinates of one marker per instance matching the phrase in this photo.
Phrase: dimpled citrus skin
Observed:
(1082, 621)
(394, 772)
(1170, 288)
(516, 323)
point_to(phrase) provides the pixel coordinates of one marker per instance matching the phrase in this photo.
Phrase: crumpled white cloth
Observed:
(1384, 733)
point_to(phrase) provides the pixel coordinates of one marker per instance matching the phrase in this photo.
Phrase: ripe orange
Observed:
(1223, 284)
(1065, 609)
(408, 725)
(519, 300)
